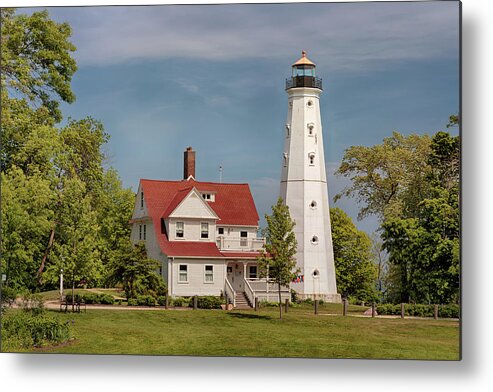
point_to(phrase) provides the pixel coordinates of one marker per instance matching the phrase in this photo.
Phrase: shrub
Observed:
(132, 302)
(33, 303)
(21, 330)
(161, 300)
(90, 298)
(449, 311)
(106, 299)
(181, 301)
(207, 302)
(419, 310)
(269, 304)
(146, 300)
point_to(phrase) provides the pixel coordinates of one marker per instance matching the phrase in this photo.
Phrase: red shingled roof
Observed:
(233, 205)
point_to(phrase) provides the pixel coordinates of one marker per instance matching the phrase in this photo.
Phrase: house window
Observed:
(206, 196)
(220, 230)
(252, 272)
(141, 199)
(243, 238)
(204, 230)
(140, 232)
(180, 231)
(183, 273)
(209, 274)
(144, 232)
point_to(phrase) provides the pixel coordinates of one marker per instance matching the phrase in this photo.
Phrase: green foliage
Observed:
(388, 179)
(356, 273)
(412, 184)
(36, 58)
(22, 330)
(132, 302)
(207, 302)
(277, 262)
(146, 300)
(419, 310)
(181, 301)
(136, 272)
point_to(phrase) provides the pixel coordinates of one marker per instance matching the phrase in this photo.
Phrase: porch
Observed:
(242, 286)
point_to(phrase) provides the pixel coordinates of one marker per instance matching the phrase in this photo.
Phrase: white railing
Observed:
(229, 293)
(266, 291)
(241, 244)
(249, 292)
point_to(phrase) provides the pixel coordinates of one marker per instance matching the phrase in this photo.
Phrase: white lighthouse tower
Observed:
(304, 184)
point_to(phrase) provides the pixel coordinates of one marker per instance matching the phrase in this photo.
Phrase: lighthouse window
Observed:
(285, 159)
(313, 204)
(310, 129)
(316, 273)
(314, 240)
(309, 103)
(311, 158)
(287, 130)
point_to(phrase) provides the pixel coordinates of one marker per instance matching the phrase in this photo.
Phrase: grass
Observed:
(250, 333)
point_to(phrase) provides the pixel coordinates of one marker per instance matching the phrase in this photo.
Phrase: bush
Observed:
(33, 303)
(146, 300)
(269, 304)
(106, 299)
(207, 302)
(419, 310)
(132, 302)
(181, 301)
(90, 298)
(161, 300)
(22, 330)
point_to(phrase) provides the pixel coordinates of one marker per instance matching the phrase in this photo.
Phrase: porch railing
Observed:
(266, 291)
(229, 293)
(240, 244)
(249, 292)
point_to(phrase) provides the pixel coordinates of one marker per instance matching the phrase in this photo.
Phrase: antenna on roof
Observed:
(220, 174)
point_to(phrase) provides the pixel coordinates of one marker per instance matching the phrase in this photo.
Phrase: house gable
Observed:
(193, 206)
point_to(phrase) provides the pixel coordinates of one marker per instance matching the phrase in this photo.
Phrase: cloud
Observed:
(343, 36)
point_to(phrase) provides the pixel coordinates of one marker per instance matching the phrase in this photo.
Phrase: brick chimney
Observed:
(188, 163)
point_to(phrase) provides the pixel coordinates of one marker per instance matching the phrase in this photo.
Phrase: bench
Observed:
(65, 305)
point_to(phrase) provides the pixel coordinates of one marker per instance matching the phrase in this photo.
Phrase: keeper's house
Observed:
(204, 234)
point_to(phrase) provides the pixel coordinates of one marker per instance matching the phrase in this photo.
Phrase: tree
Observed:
(277, 262)
(36, 59)
(389, 179)
(136, 272)
(424, 249)
(356, 274)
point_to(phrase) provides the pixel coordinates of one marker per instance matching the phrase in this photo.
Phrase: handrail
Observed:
(249, 292)
(229, 291)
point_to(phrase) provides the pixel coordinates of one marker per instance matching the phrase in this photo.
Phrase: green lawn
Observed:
(250, 333)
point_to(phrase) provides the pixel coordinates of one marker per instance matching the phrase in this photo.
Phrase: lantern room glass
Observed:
(303, 70)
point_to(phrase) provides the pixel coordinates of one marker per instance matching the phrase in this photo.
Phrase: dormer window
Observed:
(180, 230)
(204, 230)
(208, 196)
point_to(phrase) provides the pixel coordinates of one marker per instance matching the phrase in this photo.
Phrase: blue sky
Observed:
(161, 78)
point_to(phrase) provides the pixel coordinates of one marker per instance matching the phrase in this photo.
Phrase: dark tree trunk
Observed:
(45, 256)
